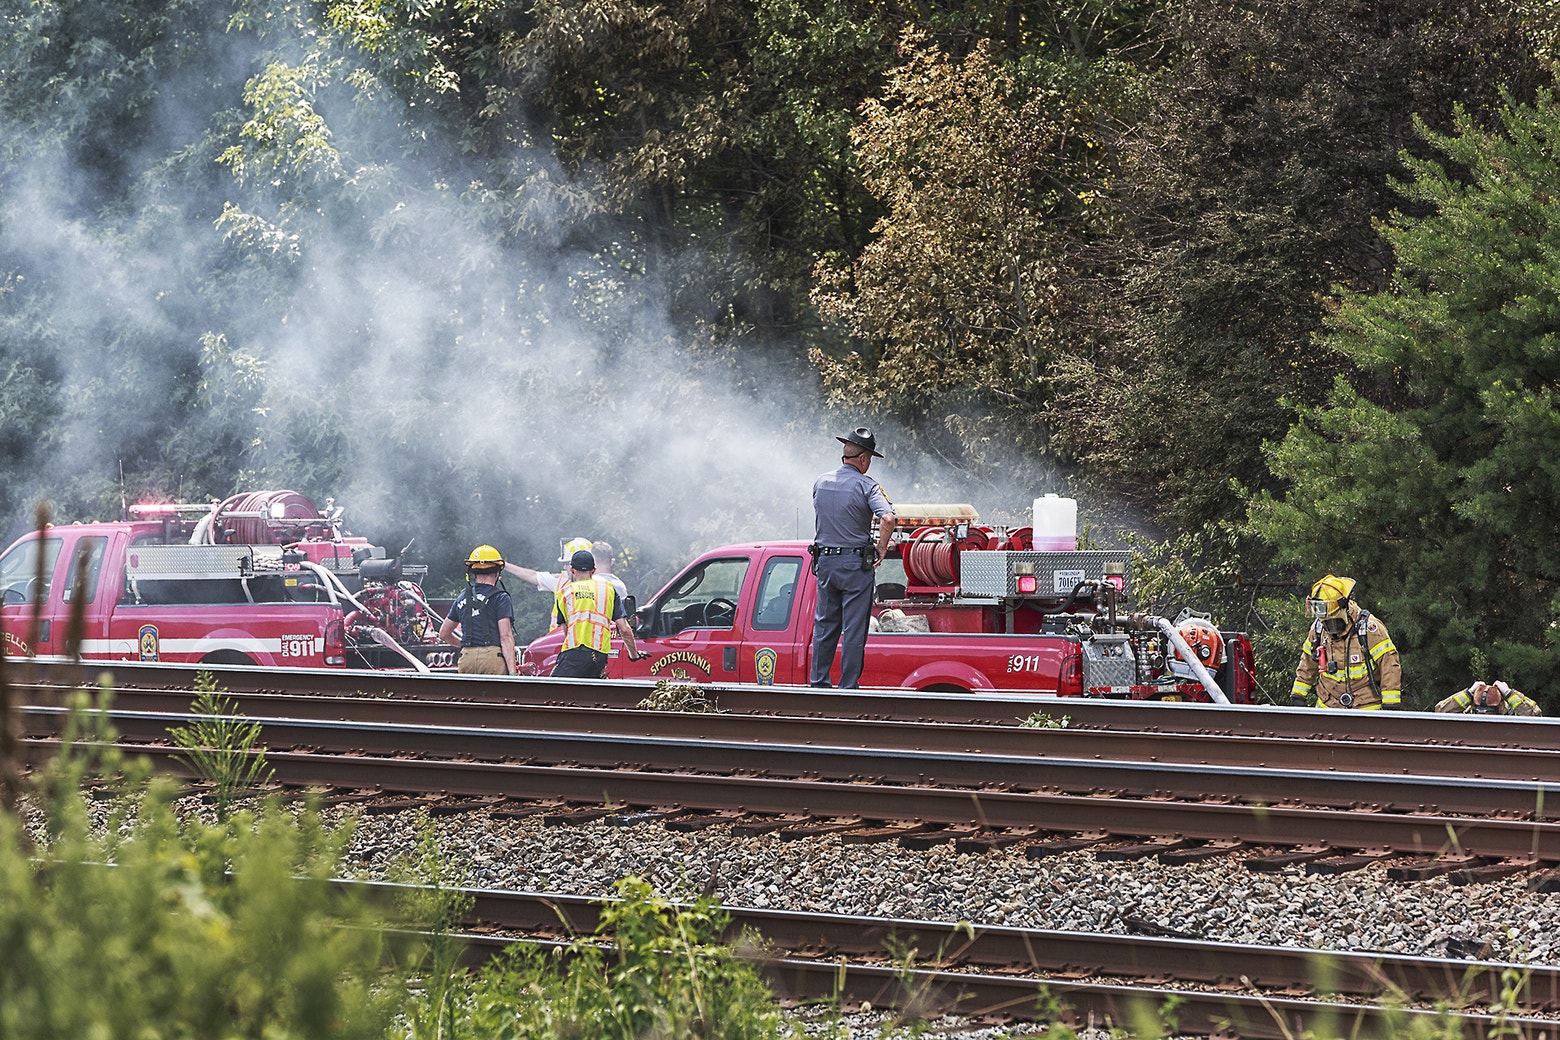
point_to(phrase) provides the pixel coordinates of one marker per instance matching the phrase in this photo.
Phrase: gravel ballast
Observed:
(1218, 899)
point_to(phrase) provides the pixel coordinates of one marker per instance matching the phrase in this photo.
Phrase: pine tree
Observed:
(1432, 475)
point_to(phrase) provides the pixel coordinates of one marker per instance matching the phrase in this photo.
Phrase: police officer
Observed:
(1496, 698)
(588, 608)
(485, 616)
(1348, 658)
(844, 558)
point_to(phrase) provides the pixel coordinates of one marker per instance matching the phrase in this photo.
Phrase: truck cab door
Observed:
(39, 602)
(773, 651)
(31, 574)
(692, 632)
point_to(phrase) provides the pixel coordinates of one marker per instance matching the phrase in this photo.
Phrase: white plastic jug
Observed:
(1056, 524)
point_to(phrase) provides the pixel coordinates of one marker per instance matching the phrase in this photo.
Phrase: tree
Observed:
(960, 303)
(1248, 189)
(106, 203)
(1431, 474)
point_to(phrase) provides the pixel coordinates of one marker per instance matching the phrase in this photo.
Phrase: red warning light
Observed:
(1027, 584)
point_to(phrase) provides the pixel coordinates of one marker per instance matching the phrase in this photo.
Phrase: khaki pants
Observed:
(482, 660)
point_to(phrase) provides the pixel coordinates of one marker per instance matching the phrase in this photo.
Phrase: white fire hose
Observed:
(1190, 657)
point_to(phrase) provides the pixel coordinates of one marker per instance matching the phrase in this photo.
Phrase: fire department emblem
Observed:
(149, 643)
(764, 666)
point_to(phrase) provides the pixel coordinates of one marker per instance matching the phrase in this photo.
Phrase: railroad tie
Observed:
(1421, 869)
(1280, 861)
(525, 810)
(1199, 853)
(868, 835)
(1142, 851)
(819, 830)
(574, 817)
(755, 826)
(1491, 871)
(1348, 863)
(986, 841)
(1058, 846)
(920, 842)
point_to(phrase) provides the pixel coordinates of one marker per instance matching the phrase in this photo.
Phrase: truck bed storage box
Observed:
(1108, 661)
(205, 574)
(995, 574)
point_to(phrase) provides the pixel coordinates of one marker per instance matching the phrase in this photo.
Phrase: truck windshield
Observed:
(19, 570)
(706, 597)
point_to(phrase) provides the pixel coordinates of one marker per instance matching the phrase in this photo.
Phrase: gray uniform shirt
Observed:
(844, 502)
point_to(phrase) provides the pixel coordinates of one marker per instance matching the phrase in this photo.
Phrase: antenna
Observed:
(124, 507)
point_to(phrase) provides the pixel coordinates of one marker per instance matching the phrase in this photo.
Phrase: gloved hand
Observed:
(1296, 701)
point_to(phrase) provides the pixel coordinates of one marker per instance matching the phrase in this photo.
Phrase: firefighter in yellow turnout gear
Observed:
(1348, 659)
(1496, 698)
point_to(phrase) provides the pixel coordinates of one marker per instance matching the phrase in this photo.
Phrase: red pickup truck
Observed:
(1019, 620)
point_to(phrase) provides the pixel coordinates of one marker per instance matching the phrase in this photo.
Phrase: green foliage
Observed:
(670, 695)
(988, 172)
(221, 746)
(435, 901)
(184, 929)
(1431, 477)
(1248, 188)
(1045, 720)
(667, 976)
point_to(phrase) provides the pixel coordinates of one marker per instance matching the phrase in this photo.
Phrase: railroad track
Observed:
(1187, 781)
(923, 773)
(995, 973)
(987, 708)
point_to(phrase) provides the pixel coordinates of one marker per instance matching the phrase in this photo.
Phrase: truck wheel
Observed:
(944, 688)
(227, 657)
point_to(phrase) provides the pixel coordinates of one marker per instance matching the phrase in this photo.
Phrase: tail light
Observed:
(1069, 678)
(335, 642)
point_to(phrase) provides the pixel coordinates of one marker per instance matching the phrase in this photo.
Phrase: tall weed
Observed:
(127, 921)
(665, 977)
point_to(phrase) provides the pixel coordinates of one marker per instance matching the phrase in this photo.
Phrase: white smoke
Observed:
(474, 390)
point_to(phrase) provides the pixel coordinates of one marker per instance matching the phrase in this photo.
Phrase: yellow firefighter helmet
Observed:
(572, 546)
(1330, 597)
(484, 558)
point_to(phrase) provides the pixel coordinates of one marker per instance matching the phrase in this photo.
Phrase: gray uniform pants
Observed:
(845, 586)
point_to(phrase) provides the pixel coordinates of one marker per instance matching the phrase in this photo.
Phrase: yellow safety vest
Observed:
(586, 607)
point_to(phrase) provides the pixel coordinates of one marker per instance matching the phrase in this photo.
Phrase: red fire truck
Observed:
(960, 607)
(264, 578)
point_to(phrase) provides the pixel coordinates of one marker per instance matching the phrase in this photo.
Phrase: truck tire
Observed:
(945, 688)
(227, 657)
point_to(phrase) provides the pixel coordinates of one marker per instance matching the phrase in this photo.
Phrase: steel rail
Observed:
(1420, 834)
(989, 707)
(768, 757)
(1311, 755)
(1055, 952)
(1081, 1003)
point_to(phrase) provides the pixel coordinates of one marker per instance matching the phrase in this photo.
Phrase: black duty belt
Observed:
(835, 550)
